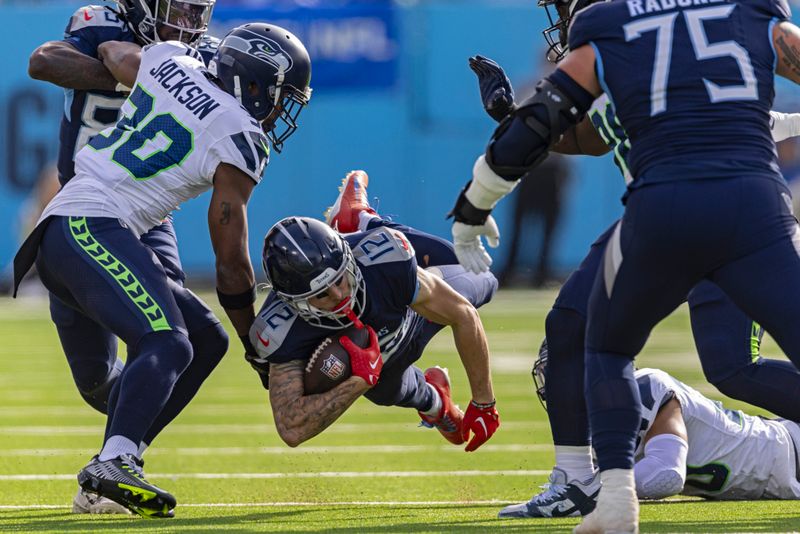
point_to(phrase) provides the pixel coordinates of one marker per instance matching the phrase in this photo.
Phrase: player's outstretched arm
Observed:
(227, 224)
(62, 64)
(299, 418)
(440, 303)
(661, 473)
(122, 59)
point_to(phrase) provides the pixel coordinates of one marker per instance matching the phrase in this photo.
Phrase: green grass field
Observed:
(374, 470)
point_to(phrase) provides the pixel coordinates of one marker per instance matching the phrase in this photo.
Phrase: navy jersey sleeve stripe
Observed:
(244, 148)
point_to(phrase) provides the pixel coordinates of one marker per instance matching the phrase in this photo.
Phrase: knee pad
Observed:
(96, 395)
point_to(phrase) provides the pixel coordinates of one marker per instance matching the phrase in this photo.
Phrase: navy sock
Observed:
(209, 345)
(614, 408)
(147, 381)
(566, 404)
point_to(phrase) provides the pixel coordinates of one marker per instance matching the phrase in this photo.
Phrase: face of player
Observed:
(183, 21)
(335, 298)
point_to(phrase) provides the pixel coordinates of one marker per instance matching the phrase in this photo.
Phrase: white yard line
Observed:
(321, 474)
(246, 451)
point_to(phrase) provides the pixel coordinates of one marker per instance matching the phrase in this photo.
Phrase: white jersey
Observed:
(177, 128)
(731, 455)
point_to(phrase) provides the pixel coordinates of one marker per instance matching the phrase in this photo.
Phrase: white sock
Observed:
(364, 218)
(436, 405)
(576, 462)
(116, 446)
(616, 480)
(142, 447)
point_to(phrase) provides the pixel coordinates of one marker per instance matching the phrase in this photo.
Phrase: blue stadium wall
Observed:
(393, 95)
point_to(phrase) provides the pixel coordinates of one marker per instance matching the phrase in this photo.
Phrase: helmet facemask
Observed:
(330, 319)
(559, 13)
(287, 103)
(538, 373)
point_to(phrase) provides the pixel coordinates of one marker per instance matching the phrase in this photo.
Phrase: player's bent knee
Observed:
(564, 329)
(96, 393)
(166, 352)
(661, 485)
(210, 343)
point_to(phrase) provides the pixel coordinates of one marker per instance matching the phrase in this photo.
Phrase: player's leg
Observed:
(163, 241)
(91, 353)
(651, 261)
(209, 344)
(573, 483)
(106, 272)
(728, 344)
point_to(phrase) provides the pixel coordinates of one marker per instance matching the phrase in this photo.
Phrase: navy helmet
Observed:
(153, 21)
(560, 18)
(302, 258)
(268, 70)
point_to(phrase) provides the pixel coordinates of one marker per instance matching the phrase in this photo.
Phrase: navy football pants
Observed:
(401, 382)
(108, 278)
(738, 233)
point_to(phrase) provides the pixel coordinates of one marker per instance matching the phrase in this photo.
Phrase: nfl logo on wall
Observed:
(332, 367)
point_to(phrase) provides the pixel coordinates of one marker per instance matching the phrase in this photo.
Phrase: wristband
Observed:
(465, 212)
(238, 301)
(483, 406)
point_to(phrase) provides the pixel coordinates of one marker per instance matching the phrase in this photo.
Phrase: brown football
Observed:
(329, 365)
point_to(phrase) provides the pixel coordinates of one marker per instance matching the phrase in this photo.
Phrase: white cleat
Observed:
(617, 510)
(91, 503)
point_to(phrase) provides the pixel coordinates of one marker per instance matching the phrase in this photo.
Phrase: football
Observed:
(329, 365)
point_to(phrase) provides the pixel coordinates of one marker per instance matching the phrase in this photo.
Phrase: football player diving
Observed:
(727, 340)
(403, 286)
(690, 445)
(217, 122)
(93, 98)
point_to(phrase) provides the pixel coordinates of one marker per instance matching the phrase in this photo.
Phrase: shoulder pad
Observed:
(94, 16)
(270, 328)
(383, 245)
(208, 47)
(591, 23)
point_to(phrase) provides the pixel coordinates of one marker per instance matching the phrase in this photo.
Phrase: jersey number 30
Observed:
(144, 147)
(663, 25)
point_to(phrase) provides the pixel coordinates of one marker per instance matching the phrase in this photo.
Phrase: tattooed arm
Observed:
(227, 224)
(786, 39)
(299, 418)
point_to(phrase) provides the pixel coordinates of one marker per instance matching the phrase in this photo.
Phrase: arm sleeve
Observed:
(662, 471)
(784, 125)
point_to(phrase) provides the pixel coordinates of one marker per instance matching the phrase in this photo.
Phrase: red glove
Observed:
(483, 420)
(365, 363)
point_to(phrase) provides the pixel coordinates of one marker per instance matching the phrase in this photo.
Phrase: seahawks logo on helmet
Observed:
(262, 48)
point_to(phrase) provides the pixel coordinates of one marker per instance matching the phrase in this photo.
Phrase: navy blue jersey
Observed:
(86, 113)
(691, 82)
(389, 267)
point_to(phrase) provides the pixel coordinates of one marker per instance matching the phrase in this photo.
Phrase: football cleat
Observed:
(559, 498)
(122, 480)
(343, 216)
(617, 507)
(448, 422)
(89, 503)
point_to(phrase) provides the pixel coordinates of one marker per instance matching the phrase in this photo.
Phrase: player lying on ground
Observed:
(399, 284)
(186, 129)
(690, 445)
(727, 340)
(93, 98)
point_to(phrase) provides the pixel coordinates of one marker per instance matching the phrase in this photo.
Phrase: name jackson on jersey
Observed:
(185, 90)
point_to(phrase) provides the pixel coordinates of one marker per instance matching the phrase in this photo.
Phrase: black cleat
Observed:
(122, 480)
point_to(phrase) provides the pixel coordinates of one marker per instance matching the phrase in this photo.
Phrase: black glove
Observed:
(496, 91)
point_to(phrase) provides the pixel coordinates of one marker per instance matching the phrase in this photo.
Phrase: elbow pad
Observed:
(662, 471)
(522, 140)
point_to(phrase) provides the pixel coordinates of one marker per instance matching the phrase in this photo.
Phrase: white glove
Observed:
(784, 125)
(469, 248)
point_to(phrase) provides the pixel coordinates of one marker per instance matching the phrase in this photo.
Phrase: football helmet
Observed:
(560, 17)
(302, 258)
(153, 21)
(268, 70)
(538, 372)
